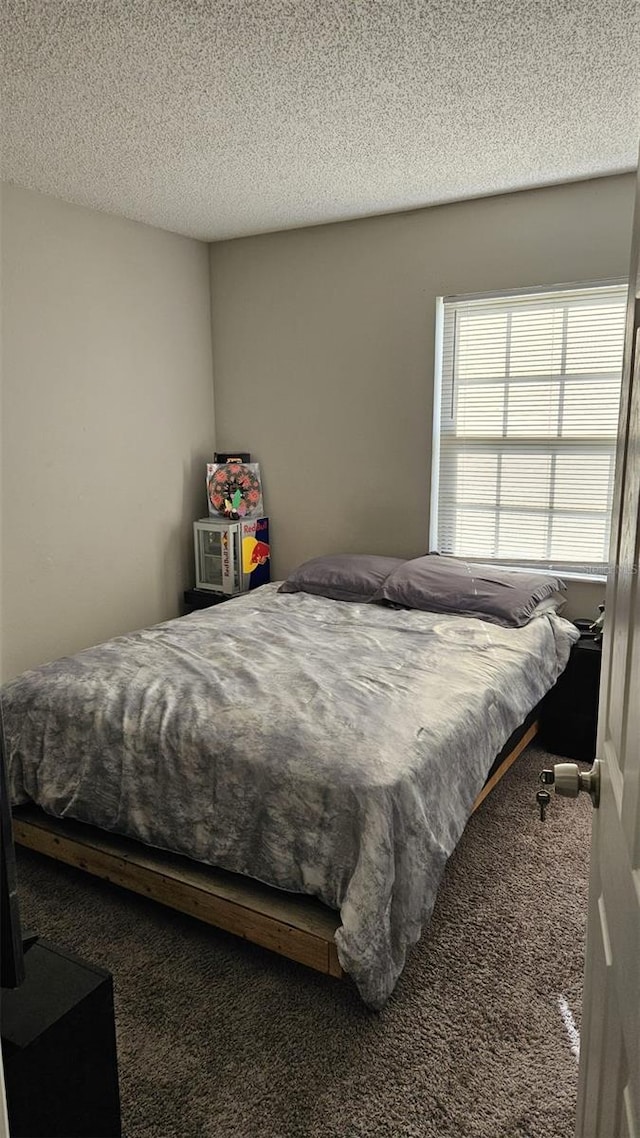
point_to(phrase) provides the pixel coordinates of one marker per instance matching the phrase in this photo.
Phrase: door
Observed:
(609, 1080)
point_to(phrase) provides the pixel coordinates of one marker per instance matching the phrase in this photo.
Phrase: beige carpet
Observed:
(219, 1039)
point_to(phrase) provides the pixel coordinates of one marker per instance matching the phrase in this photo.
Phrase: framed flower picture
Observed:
(234, 490)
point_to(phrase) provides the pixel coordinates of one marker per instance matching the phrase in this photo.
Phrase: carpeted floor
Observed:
(219, 1039)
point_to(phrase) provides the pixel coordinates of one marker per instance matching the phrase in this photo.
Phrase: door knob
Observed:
(568, 780)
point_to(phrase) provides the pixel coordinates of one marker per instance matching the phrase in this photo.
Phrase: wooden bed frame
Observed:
(292, 925)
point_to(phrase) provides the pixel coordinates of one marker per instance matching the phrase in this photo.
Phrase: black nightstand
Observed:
(569, 713)
(202, 599)
(59, 1049)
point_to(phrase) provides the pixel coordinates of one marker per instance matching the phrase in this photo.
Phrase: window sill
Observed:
(513, 567)
(590, 578)
(565, 575)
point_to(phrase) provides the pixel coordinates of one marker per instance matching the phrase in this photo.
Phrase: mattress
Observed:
(322, 747)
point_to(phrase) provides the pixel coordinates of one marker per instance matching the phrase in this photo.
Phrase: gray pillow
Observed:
(342, 576)
(446, 584)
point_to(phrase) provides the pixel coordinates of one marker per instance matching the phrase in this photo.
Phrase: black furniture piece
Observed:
(569, 712)
(203, 599)
(11, 943)
(59, 1049)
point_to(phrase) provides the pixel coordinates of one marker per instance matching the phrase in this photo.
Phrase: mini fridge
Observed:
(231, 556)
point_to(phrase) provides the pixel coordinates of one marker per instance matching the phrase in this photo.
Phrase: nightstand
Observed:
(202, 599)
(59, 1048)
(569, 713)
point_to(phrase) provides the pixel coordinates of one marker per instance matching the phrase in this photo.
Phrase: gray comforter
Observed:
(322, 747)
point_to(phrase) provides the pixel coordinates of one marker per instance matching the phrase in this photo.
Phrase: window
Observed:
(526, 420)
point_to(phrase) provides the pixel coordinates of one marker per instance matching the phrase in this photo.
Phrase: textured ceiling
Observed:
(218, 118)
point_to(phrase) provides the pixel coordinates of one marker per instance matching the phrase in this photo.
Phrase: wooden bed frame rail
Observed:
(292, 925)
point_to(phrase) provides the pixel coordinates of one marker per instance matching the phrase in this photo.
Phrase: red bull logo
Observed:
(260, 553)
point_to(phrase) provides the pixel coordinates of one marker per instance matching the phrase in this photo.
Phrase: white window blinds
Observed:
(528, 414)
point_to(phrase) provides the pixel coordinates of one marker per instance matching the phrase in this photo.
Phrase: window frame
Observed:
(597, 577)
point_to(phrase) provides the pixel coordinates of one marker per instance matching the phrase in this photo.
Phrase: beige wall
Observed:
(324, 345)
(323, 367)
(107, 423)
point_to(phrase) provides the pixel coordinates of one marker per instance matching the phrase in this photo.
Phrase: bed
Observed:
(313, 746)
